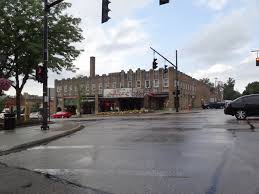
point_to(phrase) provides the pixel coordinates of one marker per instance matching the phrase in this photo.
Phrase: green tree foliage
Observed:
(207, 82)
(21, 40)
(252, 88)
(2, 102)
(229, 91)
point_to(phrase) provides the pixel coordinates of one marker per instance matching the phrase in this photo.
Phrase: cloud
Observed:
(223, 39)
(212, 72)
(214, 4)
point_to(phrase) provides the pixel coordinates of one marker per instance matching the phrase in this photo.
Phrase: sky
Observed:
(214, 38)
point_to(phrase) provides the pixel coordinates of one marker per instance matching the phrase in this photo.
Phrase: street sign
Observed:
(257, 61)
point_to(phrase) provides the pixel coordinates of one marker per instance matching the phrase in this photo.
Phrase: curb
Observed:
(40, 141)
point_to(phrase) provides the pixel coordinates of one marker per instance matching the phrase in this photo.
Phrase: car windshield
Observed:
(129, 96)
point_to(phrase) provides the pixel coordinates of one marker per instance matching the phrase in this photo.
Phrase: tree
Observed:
(207, 82)
(2, 102)
(229, 92)
(252, 88)
(21, 40)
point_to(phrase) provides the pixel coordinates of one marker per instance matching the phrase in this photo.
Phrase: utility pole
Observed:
(47, 7)
(177, 92)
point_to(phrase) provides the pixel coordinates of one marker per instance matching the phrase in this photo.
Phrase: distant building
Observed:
(153, 89)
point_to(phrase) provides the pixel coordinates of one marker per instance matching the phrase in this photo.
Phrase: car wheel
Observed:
(241, 115)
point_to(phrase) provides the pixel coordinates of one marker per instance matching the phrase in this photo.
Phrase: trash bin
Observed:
(9, 121)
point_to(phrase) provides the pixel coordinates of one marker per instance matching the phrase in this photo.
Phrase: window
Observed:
(106, 85)
(166, 82)
(93, 87)
(65, 88)
(147, 84)
(100, 86)
(121, 85)
(156, 83)
(114, 85)
(251, 100)
(130, 84)
(138, 84)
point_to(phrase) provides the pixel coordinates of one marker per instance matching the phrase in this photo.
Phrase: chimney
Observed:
(92, 67)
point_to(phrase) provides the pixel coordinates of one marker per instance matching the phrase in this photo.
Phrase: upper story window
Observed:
(106, 85)
(114, 85)
(100, 86)
(166, 82)
(138, 84)
(130, 84)
(65, 88)
(147, 84)
(93, 87)
(156, 83)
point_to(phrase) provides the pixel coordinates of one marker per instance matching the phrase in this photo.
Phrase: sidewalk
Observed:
(18, 180)
(26, 137)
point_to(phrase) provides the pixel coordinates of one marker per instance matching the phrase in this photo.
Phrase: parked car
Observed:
(214, 105)
(6, 110)
(61, 115)
(35, 115)
(243, 107)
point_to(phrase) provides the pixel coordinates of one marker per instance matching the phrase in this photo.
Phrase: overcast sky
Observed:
(213, 37)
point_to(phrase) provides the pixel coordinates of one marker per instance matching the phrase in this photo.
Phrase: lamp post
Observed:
(47, 7)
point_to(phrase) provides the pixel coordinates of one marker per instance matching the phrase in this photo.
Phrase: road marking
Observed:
(62, 147)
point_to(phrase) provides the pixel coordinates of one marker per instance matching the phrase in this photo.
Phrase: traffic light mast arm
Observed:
(163, 57)
(54, 3)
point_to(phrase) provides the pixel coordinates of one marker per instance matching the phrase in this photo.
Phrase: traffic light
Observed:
(166, 69)
(155, 64)
(40, 72)
(162, 2)
(257, 61)
(105, 11)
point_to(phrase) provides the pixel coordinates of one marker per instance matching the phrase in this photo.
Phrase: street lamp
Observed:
(47, 7)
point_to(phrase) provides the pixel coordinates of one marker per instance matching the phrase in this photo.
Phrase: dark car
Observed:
(243, 107)
(214, 105)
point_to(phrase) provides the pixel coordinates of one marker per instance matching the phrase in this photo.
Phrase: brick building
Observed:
(153, 89)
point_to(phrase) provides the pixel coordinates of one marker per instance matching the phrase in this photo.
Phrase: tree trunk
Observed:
(18, 104)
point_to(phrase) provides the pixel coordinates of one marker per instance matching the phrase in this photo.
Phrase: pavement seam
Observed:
(40, 141)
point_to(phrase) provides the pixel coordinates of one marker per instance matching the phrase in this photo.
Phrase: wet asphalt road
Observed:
(205, 152)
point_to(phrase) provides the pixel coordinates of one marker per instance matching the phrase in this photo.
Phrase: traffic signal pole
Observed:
(177, 103)
(45, 67)
(177, 100)
(45, 99)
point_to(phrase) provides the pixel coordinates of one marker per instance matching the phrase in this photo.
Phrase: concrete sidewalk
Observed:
(26, 137)
(19, 180)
